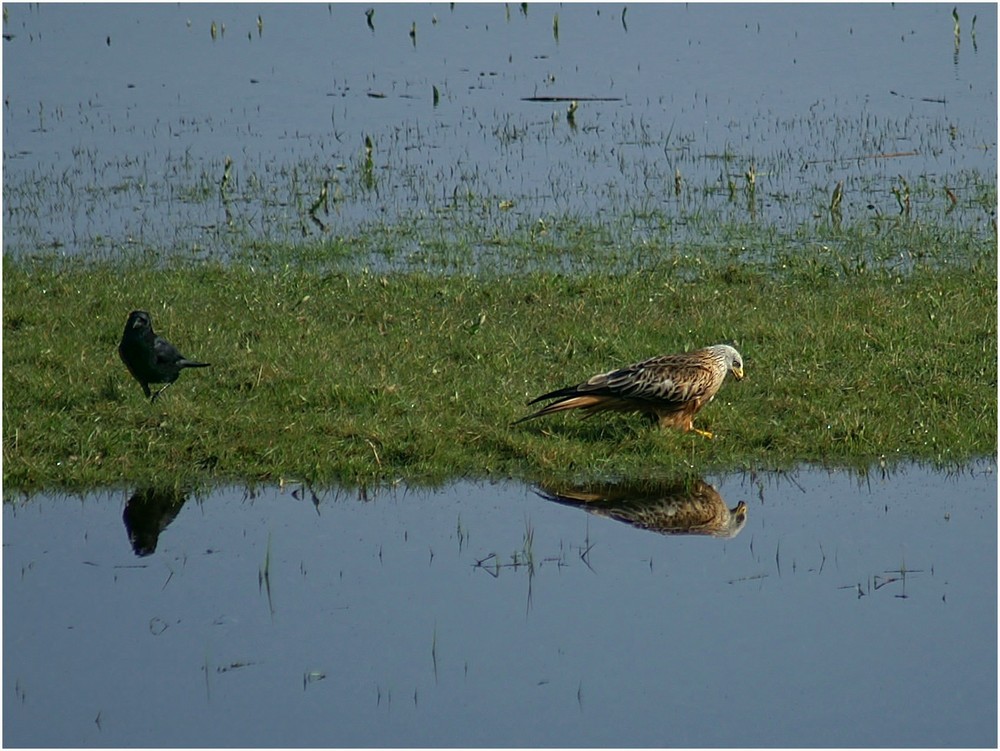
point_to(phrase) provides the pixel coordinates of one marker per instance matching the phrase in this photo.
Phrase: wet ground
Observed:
(692, 123)
(831, 610)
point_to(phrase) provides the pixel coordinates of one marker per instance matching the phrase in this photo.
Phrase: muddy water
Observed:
(838, 611)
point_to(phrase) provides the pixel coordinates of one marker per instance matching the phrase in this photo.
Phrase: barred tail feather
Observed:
(558, 393)
(590, 402)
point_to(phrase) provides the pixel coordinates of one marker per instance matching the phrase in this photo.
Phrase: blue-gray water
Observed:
(118, 120)
(846, 612)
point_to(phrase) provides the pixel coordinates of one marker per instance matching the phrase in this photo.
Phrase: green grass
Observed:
(326, 376)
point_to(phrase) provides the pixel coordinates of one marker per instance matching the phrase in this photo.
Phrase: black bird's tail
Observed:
(192, 364)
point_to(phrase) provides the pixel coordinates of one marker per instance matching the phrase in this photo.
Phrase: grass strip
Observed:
(362, 378)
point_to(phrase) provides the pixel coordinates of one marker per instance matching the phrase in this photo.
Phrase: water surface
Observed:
(845, 611)
(118, 121)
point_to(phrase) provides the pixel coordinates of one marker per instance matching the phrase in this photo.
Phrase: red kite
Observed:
(669, 389)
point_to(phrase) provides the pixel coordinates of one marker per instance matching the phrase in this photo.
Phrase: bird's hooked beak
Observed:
(738, 373)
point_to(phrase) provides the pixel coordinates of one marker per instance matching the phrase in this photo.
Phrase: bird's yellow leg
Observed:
(704, 433)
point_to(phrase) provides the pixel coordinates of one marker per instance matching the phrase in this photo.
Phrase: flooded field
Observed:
(434, 133)
(839, 611)
(813, 608)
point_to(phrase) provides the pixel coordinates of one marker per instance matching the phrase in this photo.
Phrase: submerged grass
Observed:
(327, 377)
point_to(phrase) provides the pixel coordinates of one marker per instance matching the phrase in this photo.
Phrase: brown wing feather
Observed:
(669, 381)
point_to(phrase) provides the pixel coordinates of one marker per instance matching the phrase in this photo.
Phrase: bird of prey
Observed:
(669, 389)
(151, 358)
(682, 507)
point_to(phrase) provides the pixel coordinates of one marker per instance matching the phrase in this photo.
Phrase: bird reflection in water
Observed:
(148, 512)
(689, 506)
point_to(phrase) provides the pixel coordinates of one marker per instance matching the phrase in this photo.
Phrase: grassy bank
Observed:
(357, 377)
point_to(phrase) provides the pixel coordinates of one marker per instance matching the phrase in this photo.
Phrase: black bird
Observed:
(151, 358)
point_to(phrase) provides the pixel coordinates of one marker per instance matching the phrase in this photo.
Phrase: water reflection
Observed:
(148, 512)
(685, 506)
(363, 619)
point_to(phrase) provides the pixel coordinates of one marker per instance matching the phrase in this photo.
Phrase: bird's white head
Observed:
(732, 358)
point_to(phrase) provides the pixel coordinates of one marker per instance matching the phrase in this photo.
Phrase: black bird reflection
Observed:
(148, 512)
(688, 506)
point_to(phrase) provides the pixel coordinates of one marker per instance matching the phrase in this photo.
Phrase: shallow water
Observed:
(844, 611)
(118, 120)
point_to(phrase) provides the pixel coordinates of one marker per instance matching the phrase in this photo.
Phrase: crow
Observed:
(151, 358)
